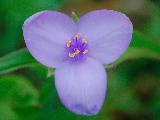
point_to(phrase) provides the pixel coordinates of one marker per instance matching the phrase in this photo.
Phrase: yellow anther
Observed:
(76, 36)
(69, 43)
(77, 51)
(85, 51)
(71, 55)
(84, 41)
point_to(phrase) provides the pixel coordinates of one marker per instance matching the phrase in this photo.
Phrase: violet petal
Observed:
(108, 32)
(46, 34)
(82, 87)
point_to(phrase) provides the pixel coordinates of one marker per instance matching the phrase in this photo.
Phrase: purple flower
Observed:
(78, 51)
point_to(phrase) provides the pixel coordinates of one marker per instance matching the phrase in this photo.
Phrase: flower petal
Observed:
(46, 33)
(82, 87)
(108, 32)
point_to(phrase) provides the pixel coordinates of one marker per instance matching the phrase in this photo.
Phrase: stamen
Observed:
(76, 36)
(77, 51)
(77, 48)
(71, 55)
(84, 41)
(69, 43)
(85, 51)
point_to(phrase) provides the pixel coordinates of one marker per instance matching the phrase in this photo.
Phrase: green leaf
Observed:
(151, 28)
(141, 41)
(6, 113)
(135, 53)
(17, 94)
(16, 60)
(50, 72)
(17, 89)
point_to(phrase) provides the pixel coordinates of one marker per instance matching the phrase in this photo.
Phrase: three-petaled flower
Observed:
(78, 51)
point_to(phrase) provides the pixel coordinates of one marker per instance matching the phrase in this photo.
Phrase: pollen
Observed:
(77, 51)
(85, 51)
(71, 55)
(76, 36)
(84, 41)
(69, 43)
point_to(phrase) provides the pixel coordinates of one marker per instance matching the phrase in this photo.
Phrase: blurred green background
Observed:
(27, 89)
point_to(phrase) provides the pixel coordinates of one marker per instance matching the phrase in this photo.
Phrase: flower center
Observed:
(77, 48)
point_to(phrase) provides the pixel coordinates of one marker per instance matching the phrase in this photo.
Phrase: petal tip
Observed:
(83, 110)
(33, 17)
